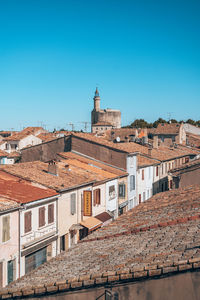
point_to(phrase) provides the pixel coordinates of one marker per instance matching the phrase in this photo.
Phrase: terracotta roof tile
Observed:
(22, 191)
(161, 232)
(165, 128)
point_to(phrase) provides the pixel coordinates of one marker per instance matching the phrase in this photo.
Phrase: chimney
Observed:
(52, 168)
(155, 142)
(149, 151)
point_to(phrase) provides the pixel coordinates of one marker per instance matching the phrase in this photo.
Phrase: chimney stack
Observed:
(155, 142)
(52, 168)
(149, 151)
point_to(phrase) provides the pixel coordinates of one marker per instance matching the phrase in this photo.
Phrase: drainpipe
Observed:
(19, 243)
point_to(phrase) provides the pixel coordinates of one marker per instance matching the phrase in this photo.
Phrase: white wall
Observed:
(29, 140)
(112, 200)
(146, 185)
(131, 166)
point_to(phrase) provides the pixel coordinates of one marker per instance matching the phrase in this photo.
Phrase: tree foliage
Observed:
(141, 123)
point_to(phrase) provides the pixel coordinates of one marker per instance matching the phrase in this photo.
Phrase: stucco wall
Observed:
(9, 249)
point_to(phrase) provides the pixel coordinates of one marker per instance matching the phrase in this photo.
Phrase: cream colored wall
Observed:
(29, 140)
(9, 249)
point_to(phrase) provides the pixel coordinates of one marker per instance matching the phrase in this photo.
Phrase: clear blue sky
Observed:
(144, 56)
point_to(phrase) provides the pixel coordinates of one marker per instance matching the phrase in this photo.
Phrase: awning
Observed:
(91, 223)
(76, 227)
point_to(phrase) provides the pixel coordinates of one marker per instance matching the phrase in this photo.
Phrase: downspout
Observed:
(19, 233)
(57, 227)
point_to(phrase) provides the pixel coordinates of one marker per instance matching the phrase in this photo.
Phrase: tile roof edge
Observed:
(111, 277)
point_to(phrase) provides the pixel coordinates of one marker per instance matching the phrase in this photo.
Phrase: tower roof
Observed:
(96, 93)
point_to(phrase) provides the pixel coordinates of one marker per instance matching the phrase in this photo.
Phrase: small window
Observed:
(50, 213)
(122, 190)
(97, 197)
(5, 229)
(41, 216)
(112, 193)
(132, 182)
(73, 204)
(27, 221)
(140, 198)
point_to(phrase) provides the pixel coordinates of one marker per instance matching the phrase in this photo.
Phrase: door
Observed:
(10, 271)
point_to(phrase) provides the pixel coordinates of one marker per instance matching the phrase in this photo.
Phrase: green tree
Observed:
(190, 121)
(139, 123)
(160, 120)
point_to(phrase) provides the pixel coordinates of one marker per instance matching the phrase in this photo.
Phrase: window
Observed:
(5, 229)
(50, 213)
(122, 190)
(142, 174)
(27, 221)
(41, 216)
(35, 259)
(97, 197)
(157, 171)
(162, 169)
(73, 204)
(112, 193)
(165, 167)
(10, 271)
(132, 182)
(139, 198)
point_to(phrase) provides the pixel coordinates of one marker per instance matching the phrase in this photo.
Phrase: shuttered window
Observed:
(73, 204)
(140, 198)
(50, 213)
(142, 174)
(132, 182)
(27, 221)
(41, 216)
(5, 228)
(97, 197)
(156, 171)
(122, 190)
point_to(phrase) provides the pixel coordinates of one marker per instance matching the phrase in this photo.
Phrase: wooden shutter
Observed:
(139, 198)
(6, 229)
(50, 213)
(94, 197)
(41, 216)
(156, 171)
(98, 196)
(73, 204)
(27, 221)
(142, 174)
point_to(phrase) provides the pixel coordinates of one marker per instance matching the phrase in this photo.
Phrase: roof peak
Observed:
(96, 92)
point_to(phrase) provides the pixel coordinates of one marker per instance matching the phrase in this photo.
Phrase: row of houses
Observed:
(47, 207)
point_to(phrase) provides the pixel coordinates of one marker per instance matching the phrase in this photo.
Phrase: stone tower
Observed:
(104, 119)
(96, 100)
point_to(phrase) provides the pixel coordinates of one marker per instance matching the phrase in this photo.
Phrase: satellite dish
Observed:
(117, 139)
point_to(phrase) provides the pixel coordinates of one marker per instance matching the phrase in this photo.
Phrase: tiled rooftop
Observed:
(185, 167)
(21, 191)
(90, 164)
(143, 161)
(71, 173)
(24, 133)
(7, 204)
(162, 154)
(158, 237)
(165, 128)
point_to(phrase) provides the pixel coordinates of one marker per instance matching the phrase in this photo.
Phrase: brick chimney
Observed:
(52, 168)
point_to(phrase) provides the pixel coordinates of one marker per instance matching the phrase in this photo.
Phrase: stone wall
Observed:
(100, 152)
(46, 151)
